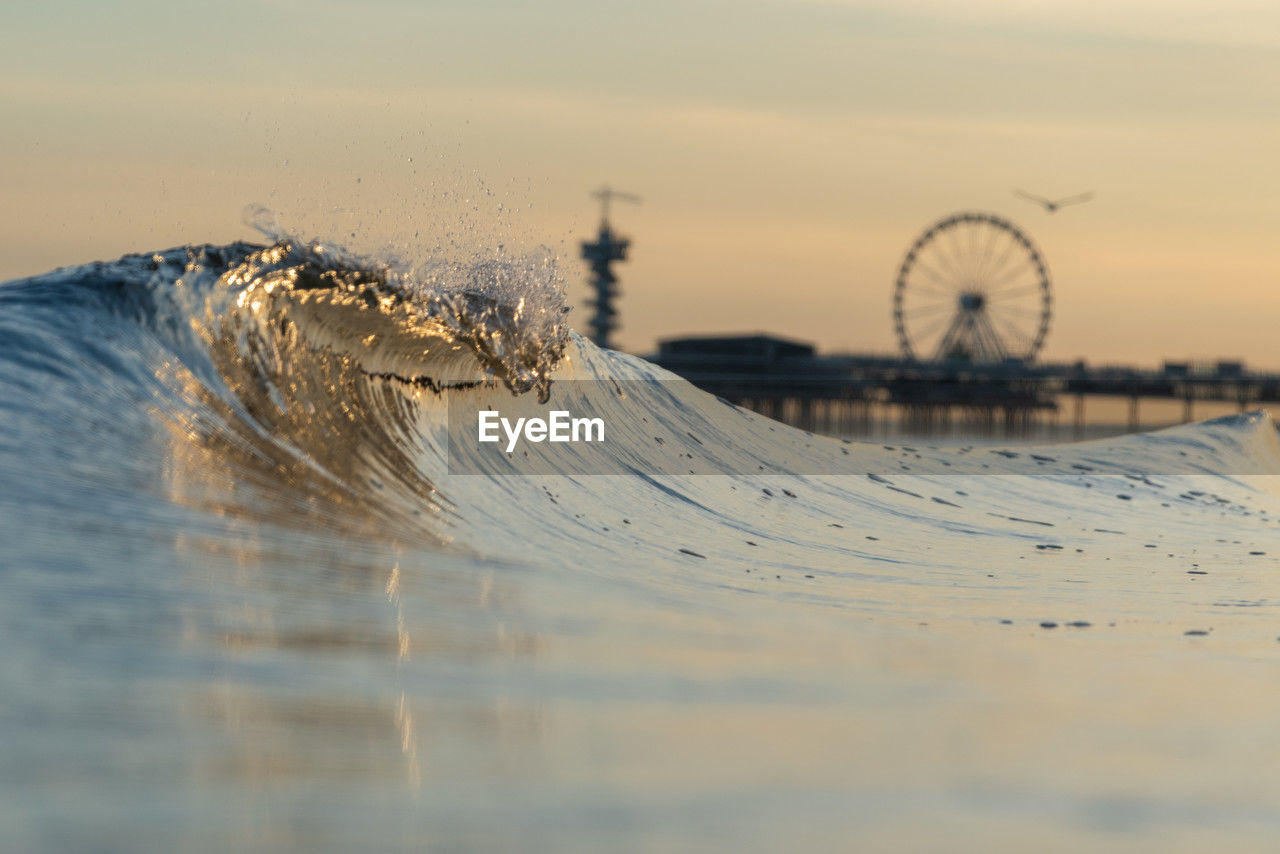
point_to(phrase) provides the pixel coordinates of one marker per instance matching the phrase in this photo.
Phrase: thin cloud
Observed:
(1229, 23)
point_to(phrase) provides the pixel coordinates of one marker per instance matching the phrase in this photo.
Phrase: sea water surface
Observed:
(255, 596)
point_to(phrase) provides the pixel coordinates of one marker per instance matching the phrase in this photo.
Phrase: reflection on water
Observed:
(404, 715)
(1072, 418)
(341, 672)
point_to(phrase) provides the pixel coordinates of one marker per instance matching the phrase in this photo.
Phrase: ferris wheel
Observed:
(972, 288)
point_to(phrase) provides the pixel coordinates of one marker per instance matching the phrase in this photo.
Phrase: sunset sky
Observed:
(788, 152)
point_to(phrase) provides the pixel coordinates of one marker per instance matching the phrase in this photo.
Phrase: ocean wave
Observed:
(295, 383)
(248, 556)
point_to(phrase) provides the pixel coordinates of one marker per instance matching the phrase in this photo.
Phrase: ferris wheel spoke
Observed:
(1016, 340)
(1011, 291)
(1014, 328)
(990, 338)
(922, 308)
(988, 250)
(958, 254)
(923, 294)
(1009, 320)
(1010, 254)
(973, 256)
(926, 310)
(934, 326)
(945, 261)
(1010, 277)
(1013, 313)
(1011, 269)
(927, 297)
(1022, 339)
(946, 282)
(953, 241)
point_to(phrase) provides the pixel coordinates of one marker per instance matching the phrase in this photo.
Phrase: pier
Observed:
(972, 305)
(840, 393)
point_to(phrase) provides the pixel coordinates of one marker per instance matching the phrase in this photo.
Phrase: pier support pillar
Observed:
(805, 414)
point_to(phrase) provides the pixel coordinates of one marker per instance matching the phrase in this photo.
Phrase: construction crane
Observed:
(607, 194)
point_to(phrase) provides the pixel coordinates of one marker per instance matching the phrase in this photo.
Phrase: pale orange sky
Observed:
(788, 152)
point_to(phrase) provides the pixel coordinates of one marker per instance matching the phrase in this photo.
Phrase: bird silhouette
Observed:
(1051, 205)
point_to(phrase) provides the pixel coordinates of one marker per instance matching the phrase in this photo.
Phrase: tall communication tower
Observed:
(600, 254)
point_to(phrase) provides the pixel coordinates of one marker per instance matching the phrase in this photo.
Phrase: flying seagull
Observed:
(1050, 205)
